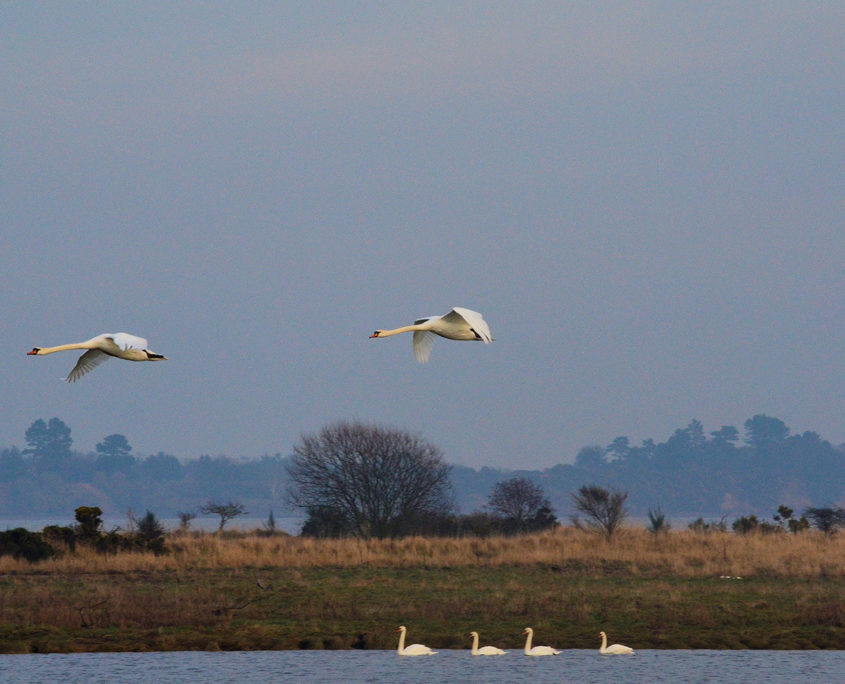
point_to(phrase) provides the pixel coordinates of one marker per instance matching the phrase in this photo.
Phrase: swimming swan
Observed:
(100, 348)
(613, 649)
(484, 650)
(458, 324)
(537, 650)
(413, 649)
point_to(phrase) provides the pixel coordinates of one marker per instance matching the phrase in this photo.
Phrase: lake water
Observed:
(793, 667)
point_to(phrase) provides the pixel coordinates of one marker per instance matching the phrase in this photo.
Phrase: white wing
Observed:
(423, 341)
(473, 320)
(88, 361)
(127, 341)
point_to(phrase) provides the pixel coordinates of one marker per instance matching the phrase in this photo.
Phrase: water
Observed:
(791, 667)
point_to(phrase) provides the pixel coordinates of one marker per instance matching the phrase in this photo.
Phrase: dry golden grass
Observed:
(634, 551)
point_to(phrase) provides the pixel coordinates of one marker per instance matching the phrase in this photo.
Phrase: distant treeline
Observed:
(694, 473)
(691, 474)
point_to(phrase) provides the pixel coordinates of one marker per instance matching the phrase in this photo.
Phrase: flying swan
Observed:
(458, 324)
(484, 650)
(413, 649)
(537, 650)
(100, 348)
(613, 649)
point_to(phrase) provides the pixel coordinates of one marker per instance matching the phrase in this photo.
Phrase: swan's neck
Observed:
(401, 640)
(603, 643)
(528, 642)
(403, 329)
(475, 645)
(63, 347)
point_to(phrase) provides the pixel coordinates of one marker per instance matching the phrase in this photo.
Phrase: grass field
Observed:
(248, 591)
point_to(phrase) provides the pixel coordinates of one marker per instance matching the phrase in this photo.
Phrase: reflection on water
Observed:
(447, 666)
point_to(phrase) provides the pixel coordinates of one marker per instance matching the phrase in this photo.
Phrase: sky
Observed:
(643, 199)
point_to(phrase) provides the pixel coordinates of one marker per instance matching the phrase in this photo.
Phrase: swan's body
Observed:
(413, 649)
(613, 649)
(100, 348)
(458, 324)
(536, 650)
(484, 650)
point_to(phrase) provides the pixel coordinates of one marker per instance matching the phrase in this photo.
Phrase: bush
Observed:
(657, 521)
(745, 524)
(149, 535)
(604, 508)
(700, 526)
(21, 543)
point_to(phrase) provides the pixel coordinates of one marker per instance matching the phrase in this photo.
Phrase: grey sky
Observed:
(644, 200)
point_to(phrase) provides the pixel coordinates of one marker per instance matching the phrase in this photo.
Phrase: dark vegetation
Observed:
(146, 535)
(693, 474)
(367, 481)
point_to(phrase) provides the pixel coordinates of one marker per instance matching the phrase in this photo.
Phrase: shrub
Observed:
(21, 543)
(746, 524)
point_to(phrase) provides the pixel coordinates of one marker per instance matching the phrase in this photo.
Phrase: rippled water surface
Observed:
(446, 666)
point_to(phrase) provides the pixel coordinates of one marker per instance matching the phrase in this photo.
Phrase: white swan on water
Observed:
(484, 650)
(537, 650)
(613, 649)
(458, 324)
(413, 649)
(100, 348)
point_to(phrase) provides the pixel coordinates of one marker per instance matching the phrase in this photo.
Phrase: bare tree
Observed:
(226, 511)
(522, 504)
(605, 509)
(378, 481)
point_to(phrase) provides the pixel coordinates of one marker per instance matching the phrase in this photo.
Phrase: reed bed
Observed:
(634, 551)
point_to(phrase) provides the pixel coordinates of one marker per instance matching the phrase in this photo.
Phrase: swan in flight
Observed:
(100, 348)
(484, 650)
(413, 649)
(458, 324)
(613, 649)
(537, 650)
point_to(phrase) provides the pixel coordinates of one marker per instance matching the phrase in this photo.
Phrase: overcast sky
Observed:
(643, 199)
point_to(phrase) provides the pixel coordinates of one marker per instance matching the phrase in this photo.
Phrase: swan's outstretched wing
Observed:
(88, 361)
(423, 341)
(473, 319)
(126, 341)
